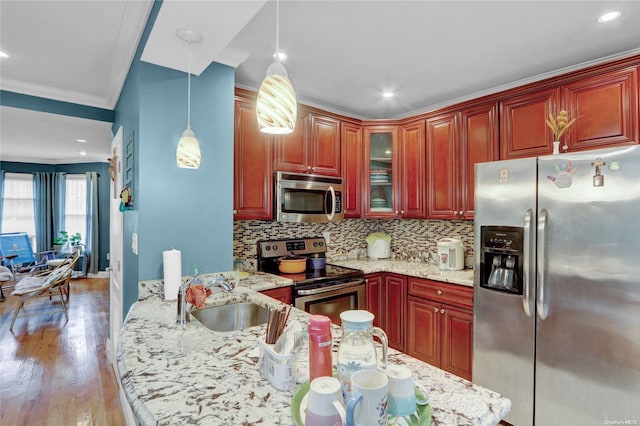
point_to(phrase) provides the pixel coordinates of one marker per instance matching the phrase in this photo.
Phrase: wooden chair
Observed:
(54, 282)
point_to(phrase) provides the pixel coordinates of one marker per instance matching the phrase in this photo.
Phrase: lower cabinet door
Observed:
(282, 294)
(457, 341)
(423, 331)
(395, 296)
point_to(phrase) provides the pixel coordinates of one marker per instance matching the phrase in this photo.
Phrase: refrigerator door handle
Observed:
(542, 302)
(527, 300)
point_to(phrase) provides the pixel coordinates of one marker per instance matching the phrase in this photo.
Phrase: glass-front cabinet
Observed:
(380, 172)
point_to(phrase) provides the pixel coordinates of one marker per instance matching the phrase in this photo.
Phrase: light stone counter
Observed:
(414, 269)
(175, 375)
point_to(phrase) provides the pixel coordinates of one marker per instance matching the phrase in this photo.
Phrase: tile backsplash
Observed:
(413, 239)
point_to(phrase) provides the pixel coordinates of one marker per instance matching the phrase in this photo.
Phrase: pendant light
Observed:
(188, 151)
(276, 107)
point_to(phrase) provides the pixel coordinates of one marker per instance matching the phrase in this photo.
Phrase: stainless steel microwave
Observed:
(301, 197)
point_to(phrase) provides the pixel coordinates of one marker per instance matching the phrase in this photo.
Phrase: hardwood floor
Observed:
(54, 372)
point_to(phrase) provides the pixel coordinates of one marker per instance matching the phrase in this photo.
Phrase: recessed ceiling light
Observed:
(609, 16)
(387, 94)
(81, 140)
(280, 56)
(3, 54)
(83, 153)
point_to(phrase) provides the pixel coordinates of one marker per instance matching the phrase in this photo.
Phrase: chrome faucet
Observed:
(182, 292)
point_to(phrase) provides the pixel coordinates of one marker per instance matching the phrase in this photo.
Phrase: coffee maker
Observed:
(501, 258)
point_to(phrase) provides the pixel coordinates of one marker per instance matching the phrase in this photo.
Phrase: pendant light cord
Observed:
(189, 89)
(278, 30)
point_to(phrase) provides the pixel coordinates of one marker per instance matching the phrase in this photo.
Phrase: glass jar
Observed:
(357, 350)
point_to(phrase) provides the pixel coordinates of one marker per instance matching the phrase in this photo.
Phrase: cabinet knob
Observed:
(308, 167)
(401, 211)
(435, 310)
(235, 211)
(442, 311)
(439, 292)
(396, 212)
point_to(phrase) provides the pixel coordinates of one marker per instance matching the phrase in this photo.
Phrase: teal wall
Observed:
(103, 193)
(190, 210)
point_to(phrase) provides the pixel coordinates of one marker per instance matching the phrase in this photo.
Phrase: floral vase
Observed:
(556, 147)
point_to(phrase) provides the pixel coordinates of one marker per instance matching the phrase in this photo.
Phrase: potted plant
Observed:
(66, 243)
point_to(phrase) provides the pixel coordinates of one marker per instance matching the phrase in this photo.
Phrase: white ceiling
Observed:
(342, 54)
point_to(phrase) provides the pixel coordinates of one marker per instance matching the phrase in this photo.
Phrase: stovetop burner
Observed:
(270, 251)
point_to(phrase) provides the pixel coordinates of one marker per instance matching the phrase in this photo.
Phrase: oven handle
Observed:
(330, 288)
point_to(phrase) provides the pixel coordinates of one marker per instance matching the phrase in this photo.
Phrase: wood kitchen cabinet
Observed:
(440, 325)
(411, 156)
(386, 300)
(393, 177)
(456, 141)
(313, 147)
(253, 162)
(380, 175)
(282, 294)
(607, 110)
(442, 174)
(523, 132)
(351, 145)
(605, 104)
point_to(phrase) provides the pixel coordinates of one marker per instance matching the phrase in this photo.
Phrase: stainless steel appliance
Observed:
(327, 291)
(302, 197)
(557, 286)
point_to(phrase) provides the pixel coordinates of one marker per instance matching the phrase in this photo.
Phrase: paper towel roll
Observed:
(172, 265)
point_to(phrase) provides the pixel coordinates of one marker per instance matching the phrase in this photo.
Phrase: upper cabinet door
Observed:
(291, 151)
(523, 131)
(351, 141)
(325, 146)
(313, 147)
(607, 110)
(380, 175)
(442, 166)
(412, 160)
(478, 144)
(253, 159)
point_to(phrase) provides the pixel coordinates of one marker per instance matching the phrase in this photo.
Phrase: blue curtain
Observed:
(1, 196)
(92, 222)
(49, 195)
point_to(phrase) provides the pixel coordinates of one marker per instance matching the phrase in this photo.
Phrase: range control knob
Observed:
(275, 247)
(267, 247)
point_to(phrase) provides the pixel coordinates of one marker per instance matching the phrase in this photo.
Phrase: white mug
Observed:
(367, 402)
(402, 396)
(324, 403)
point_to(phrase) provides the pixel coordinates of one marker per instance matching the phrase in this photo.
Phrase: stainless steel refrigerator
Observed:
(557, 286)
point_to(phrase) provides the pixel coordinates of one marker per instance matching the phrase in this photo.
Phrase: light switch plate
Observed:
(134, 243)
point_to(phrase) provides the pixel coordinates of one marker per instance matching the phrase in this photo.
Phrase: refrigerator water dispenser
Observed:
(502, 258)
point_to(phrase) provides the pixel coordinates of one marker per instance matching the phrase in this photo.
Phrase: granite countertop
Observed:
(414, 269)
(174, 374)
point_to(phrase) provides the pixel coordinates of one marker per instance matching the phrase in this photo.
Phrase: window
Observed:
(75, 212)
(17, 208)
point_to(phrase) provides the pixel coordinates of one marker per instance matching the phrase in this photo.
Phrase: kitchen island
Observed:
(174, 374)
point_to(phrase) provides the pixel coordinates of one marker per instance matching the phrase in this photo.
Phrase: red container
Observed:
(320, 344)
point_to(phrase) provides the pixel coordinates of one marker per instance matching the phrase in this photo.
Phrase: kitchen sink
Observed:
(231, 317)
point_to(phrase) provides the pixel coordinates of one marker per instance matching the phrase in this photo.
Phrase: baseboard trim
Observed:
(99, 274)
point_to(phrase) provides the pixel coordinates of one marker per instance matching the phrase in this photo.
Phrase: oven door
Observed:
(332, 300)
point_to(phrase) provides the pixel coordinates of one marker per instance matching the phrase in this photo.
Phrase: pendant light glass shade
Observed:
(188, 150)
(276, 107)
